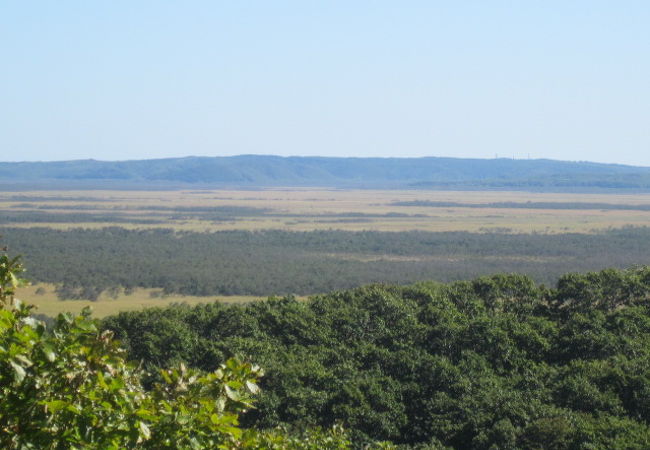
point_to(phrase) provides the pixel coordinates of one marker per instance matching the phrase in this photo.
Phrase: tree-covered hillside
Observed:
(384, 173)
(496, 362)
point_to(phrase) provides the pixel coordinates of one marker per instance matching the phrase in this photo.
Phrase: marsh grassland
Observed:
(164, 247)
(318, 209)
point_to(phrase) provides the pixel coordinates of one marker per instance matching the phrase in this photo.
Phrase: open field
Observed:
(320, 209)
(47, 302)
(305, 241)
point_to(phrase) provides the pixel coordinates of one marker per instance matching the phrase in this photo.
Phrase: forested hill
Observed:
(266, 171)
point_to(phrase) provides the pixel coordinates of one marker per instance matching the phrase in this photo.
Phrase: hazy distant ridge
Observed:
(266, 171)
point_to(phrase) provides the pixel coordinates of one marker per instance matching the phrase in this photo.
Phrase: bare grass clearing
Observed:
(47, 302)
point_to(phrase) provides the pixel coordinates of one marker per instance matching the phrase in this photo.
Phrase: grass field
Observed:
(317, 209)
(302, 210)
(47, 303)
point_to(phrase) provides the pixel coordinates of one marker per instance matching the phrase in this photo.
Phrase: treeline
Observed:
(16, 217)
(382, 173)
(85, 263)
(147, 215)
(496, 362)
(527, 205)
(26, 213)
(550, 182)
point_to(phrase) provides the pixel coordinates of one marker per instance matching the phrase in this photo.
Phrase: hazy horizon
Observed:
(311, 156)
(148, 80)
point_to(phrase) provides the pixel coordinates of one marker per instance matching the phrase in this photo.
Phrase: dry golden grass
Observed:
(315, 209)
(47, 303)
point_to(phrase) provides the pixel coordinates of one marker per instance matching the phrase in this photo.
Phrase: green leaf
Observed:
(101, 381)
(66, 317)
(233, 431)
(26, 362)
(86, 325)
(252, 387)
(146, 414)
(48, 351)
(232, 394)
(107, 406)
(6, 316)
(144, 430)
(166, 376)
(32, 322)
(14, 279)
(55, 405)
(19, 372)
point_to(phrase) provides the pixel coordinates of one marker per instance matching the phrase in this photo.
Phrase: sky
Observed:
(124, 79)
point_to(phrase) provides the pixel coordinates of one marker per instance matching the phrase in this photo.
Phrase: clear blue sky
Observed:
(135, 79)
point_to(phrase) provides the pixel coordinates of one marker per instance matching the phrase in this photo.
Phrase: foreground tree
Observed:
(71, 387)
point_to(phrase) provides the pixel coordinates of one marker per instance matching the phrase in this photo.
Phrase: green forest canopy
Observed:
(496, 362)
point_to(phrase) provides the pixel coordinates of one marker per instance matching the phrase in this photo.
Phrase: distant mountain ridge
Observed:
(258, 171)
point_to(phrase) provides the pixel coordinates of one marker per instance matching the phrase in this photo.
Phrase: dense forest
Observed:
(84, 262)
(496, 362)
